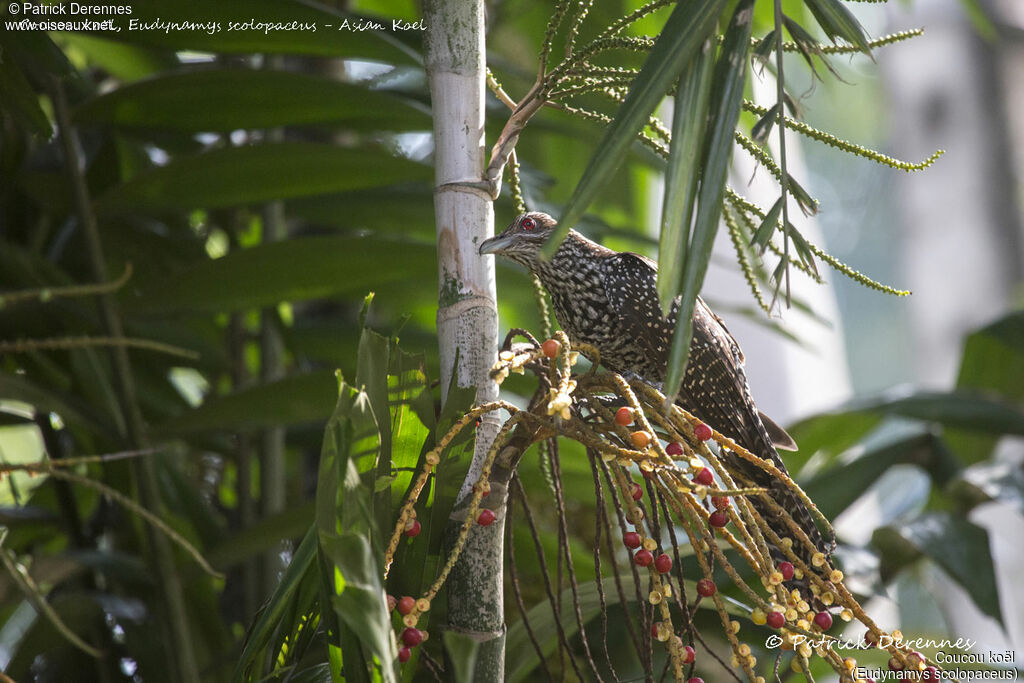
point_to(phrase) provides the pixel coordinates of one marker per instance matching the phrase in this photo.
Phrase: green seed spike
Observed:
(738, 244)
(745, 206)
(852, 148)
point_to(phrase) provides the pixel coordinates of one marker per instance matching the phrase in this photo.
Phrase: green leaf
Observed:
(808, 46)
(350, 551)
(282, 26)
(993, 362)
(292, 400)
(262, 536)
(827, 435)
(803, 249)
(961, 409)
(47, 400)
(229, 99)
(520, 654)
(257, 173)
(21, 100)
(764, 48)
(685, 31)
(125, 62)
(807, 203)
(461, 649)
(771, 220)
(837, 487)
(960, 547)
(683, 172)
(730, 78)
(759, 133)
(300, 569)
(292, 270)
(838, 22)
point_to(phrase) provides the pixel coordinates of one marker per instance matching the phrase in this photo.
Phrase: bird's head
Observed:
(523, 238)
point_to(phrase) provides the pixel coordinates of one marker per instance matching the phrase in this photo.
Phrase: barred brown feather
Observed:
(609, 300)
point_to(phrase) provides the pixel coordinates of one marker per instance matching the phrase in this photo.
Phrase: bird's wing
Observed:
(631, 286)
(715, 386)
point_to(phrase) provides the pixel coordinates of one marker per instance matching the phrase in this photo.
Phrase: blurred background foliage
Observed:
(247, 191)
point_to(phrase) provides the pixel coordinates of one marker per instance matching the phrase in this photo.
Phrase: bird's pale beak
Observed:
(495, 245)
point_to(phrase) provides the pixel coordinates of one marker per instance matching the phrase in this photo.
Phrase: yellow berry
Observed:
(744, 650)
(775, 578)
(654, 598)
(422, 605)
(818, 559)
(836, 576)
(758, 617)
(846, 615)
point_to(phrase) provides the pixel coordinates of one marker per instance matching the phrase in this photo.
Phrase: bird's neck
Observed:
(568, 255)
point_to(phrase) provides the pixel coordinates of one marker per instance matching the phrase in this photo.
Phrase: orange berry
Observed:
(640, 439)
(624, 416)
(550, 348)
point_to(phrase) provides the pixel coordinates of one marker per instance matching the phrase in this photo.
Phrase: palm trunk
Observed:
(467, 318)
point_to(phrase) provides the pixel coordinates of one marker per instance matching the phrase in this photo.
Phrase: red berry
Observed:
(705, 476)
(718, 519)
(485, 517)
(405, 605)
(654, 629)
(643, 558)
(869, 639)
(674, 449)
(775, 620)
(636, 491)
(786, 569)
(930, 673)
(702, 432)
(392, 601)
(690, 655)
(413, 530)
(663, 563)
(631, 539)
(720, 502)
(706, 588)
(412, 637)
(624, 416)
(404, 654)
(696, 679)
(550, 348)
(823, 620)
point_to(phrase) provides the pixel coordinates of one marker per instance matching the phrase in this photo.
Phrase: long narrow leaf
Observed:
(682, 172)
(838, 22)
(687, 28)
(269, 620)
(256, 173)
(229, 99)
(730, 77)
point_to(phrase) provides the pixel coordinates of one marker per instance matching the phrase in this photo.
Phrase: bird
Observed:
(609, 300)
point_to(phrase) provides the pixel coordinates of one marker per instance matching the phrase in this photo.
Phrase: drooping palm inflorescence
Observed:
(667, 474)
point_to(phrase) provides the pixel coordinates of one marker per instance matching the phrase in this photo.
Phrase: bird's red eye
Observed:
(528, 224)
